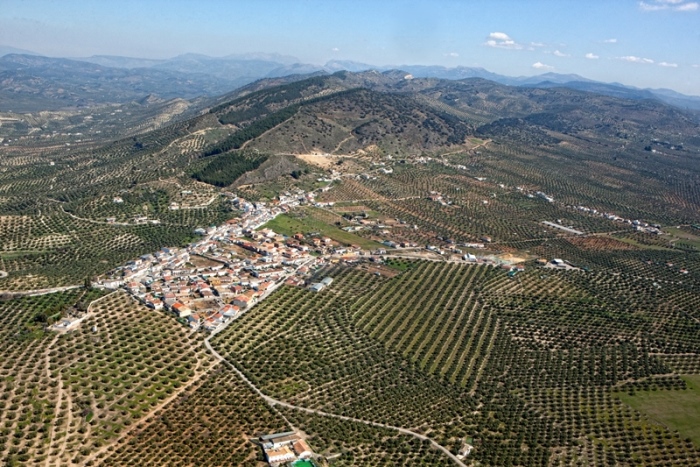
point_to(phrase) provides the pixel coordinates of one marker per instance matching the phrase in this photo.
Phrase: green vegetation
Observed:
(66, 395)
(62, 248)
(677, 410)
(236, 140)
(304, 222)
(212, 421)
(461, 351)
(685, 237)
(532, 369)
(400, 264)
(356, 444)
(224, 169)
(270, 96)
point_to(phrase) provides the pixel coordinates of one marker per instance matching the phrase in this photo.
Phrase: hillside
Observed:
(579, 136)
(511, 276)
(33, 83)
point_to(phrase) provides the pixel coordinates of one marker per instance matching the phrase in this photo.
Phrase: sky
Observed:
(651, 43)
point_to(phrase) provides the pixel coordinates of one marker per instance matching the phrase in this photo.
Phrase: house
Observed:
(210, 325)
(169, 298)
(317, 287)
(112, 284)
(230, 311)
(327, 281)
(135, 287)
(154, 303)
(278, 440)
(242, 301)
(193, 321)
(181, 310)
(279, 455)
(302, 449)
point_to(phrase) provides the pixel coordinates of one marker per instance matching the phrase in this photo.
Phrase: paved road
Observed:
(274, 402)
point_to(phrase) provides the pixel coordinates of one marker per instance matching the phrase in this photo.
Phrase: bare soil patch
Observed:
(378, 269)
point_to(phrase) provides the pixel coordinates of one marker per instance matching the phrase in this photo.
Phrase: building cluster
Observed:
(224, 273)
(639, 226)
(285, 448)
(439, 198)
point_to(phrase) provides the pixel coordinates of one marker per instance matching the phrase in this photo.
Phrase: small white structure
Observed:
(317, 287)
(279, 455)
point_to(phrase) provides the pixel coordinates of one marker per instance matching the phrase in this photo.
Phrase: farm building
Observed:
(280, 448)
(302, 449)
(279, 456)
(317, 287)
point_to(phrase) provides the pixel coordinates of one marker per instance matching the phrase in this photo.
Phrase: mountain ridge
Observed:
(216, 75)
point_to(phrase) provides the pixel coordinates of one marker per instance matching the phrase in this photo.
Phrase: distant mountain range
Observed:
(31, 82)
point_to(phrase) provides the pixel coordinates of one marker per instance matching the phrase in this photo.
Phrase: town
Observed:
(230, 269)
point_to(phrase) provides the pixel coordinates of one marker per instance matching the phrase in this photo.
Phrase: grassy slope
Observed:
(678, 410)
(287, 225)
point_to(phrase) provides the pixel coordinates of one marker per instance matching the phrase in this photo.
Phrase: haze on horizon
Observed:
(652, 43)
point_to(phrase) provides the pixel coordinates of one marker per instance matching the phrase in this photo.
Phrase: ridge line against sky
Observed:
(648, 44)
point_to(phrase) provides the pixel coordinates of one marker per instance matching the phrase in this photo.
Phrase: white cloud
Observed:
(668, 65)
(674, 5)
(692, 6)
(501, 40)
(560, 54)
(452, 54)
(651, 7)
(592, 56)
(541, 66)
(536, 44)
(335, 49)
(610, 41)
(696, 66)
(633, 59)
(499, 36)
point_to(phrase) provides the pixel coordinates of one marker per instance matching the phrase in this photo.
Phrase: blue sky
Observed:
(651, 43)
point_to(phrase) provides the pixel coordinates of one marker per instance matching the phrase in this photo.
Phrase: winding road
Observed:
(274, 402)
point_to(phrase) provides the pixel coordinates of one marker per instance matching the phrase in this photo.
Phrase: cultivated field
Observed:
(68, 396)
(459, 352)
